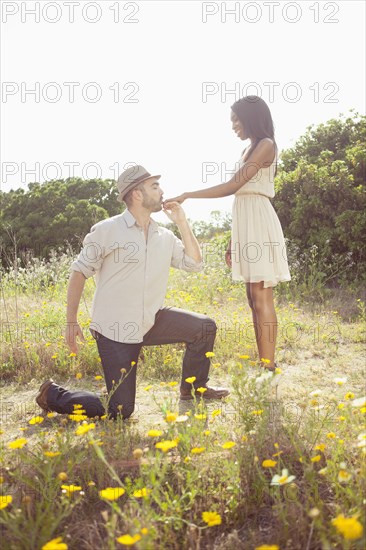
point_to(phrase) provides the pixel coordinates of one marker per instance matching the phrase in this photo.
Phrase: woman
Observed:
(256, 252)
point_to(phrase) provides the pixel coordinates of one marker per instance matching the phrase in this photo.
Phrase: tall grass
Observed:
(281, 462)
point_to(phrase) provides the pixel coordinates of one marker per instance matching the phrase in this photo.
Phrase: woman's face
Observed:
(238, 127)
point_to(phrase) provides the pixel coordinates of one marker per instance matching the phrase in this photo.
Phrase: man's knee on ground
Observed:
(93, 410)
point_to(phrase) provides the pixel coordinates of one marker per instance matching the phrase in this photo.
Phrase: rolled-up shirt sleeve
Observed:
(181, 260)
(92, 253)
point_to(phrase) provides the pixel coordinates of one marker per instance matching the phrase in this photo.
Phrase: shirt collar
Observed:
(130, 221)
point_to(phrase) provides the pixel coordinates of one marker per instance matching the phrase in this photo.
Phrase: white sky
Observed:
(170, 53)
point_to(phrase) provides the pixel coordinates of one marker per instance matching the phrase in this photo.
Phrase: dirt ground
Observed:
(291, 388)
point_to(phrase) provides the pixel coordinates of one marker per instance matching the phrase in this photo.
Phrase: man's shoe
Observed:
(210, 393)
(41, 398)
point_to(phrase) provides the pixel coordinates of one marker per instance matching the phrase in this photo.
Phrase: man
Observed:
(130, 256)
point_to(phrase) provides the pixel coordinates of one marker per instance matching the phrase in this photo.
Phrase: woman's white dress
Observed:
(257, 242)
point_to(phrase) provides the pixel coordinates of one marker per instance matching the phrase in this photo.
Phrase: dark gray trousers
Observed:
(119, 362)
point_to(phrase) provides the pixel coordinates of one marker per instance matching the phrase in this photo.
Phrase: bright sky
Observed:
(177, 67)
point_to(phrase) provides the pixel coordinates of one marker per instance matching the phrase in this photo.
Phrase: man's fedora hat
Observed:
(130, 178)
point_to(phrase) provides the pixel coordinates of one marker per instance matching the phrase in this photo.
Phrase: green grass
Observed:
(305, 419)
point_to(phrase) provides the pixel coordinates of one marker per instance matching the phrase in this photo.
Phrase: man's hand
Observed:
(228, 259)
(72, 331)
(180, 199)
(174, 211)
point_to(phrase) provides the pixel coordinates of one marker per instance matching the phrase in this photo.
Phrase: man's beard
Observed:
(151, 204)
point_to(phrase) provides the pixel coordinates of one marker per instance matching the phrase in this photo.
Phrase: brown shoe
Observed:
(210, 393)
(41, 398)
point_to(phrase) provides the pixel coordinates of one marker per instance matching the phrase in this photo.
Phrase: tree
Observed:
(54, 214)
(320, 191)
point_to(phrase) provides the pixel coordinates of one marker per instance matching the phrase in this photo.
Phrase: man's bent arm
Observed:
(74, 292)
(191, 246)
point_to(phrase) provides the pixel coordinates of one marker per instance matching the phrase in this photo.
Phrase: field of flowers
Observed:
(279, 464)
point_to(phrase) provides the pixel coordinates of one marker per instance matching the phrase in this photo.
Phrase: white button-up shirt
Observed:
(131, 274)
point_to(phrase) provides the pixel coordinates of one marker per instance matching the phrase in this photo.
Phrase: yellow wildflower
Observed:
(349, 395)
(77, 417)
(190, 380)
(216, 412)
(78, 376)
(141, 493)
(17, 443)
(111, 493)
(127, 540)
(198, 450)
(166, 445)
(200, 416)
(331, 435)
(62, 476)
(70, 489)
(228, 445)
(172, 384)
(201, 390)
(98, 377)
(148, 387)
(210, 354)
(154, 433)
(211, 518)
(72, 354)
(84, 428)
(257, 413)
(350, 528)
(316, 458)
(5, 500)
(36, 420)
(268, 547)
(171, 417)
(269, 463)
(55, 544)
(320, 447)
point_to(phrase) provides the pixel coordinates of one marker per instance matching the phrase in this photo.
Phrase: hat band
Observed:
(136, 182)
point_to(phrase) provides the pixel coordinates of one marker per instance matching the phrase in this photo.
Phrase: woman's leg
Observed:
(264, 319)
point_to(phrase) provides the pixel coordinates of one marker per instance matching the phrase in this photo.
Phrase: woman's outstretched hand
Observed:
(180, 199)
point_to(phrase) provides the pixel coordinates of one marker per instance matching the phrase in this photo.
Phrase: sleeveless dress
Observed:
(258, 249)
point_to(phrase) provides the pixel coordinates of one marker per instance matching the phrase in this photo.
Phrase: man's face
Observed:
(152, 195)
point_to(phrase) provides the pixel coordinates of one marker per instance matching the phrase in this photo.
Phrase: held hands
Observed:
(180, 199)
(174, 211)
(72, 331)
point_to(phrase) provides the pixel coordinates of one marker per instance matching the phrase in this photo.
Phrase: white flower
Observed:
(315, 393)
(263, 377)
(360, 402)
(340, 381)
(282, 479)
